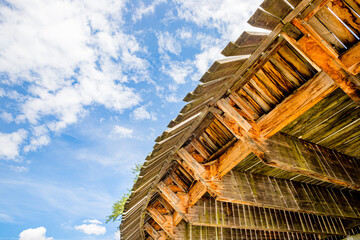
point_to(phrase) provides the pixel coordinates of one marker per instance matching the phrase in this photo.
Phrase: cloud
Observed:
(40, 137)
(10, 143)
(141, 113)
(229, 17)
(143, 10)
(94, 221)
(66, 56)
(178, 71)
(19, 169)
(91, 227)
(7, 117)
(121, 132)
(6, 218)
(34, 234)
(117, 235)
(168, 43)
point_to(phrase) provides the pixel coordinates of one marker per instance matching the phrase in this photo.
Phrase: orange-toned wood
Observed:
(351, 59)
(176, 218)
(196, 192)
(192, 163)
(228, 109)
(330, 64)
(312, 92)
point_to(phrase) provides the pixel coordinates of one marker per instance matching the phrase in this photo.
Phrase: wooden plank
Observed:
(250, 38)
(327, 63)
(354, 4)
(170, 195)
(234, 50)
(351, 59)
(264, 20)
(176, 218)
(177, 180)
(278, 8)
(231, 158)
(312, 9)
(196, 192)
(296, 104)
(248, 110)
(350, 18)
(294, 196)
(227, 108)
(335, 26)
(151, 231)
(245, 44)
(196, 167)
(295, 155)
(158, 217)
(327, 35)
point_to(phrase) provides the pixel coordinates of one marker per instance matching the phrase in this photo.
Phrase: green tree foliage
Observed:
(118, 206)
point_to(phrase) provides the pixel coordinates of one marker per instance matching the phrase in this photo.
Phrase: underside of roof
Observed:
(268, 144)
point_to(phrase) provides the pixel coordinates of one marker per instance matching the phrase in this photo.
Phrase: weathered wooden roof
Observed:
(270, 136)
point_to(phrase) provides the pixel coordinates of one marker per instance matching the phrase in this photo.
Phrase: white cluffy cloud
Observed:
(143, 10)
(168, 43)
(10, 143)
(91, 227)
(141, 113)
(121, 132)
(34, 234)
(66, 55)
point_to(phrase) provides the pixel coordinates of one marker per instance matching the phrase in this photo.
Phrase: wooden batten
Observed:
(210, 212)
(258, 190)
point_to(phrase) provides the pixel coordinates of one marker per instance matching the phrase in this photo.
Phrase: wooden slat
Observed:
(335, 26)
(196, 192)
(243, 216)
(258, 190)
(326, 34)
(354, 4)
(264, 20)
(351, 19)
(309, 159)
(234, 50)
(196, 167)
(351, 59)
(278, 8)
(227, 108)
(151, 231)
(245, 44)
(326, 62)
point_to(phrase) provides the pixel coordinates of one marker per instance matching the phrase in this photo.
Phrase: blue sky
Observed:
(85, 88)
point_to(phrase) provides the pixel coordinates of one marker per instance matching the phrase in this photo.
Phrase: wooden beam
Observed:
(228, 109)
(233, 215)
(152, 232)
(172, 199)
(309, 159)
(209, 232)
(317, 52)
(258, 190)
(310, 93)
(165, 222)
(196, 192)
(192, 163)
(235, 154)
(351, 59)
(176, 218)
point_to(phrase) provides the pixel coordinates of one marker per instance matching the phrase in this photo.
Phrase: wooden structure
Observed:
(268, 146)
